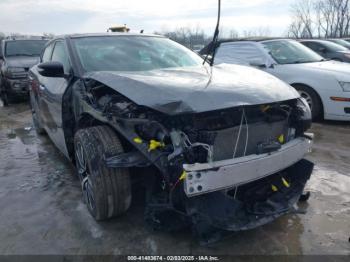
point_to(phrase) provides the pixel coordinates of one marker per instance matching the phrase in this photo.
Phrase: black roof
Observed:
(106, 34)
(74, 36)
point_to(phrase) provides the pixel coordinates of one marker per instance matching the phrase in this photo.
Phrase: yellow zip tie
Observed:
(265, 108)
(183, 175)
(274, 188)
(153, 145)
(281, 139)
(138, 140)
(285, 182)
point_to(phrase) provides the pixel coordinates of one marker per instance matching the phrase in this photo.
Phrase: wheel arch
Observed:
(86, 120)
(296, 84)
(80, 114)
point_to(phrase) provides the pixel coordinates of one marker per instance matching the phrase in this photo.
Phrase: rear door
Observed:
(52, 90)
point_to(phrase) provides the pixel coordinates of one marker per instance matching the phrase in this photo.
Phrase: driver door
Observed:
(52, 90)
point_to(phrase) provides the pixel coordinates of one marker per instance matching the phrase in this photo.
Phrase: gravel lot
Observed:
(42, 210)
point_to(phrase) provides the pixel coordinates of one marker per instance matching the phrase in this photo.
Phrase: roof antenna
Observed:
(213, 44)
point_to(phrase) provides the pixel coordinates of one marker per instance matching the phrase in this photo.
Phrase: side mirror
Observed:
(258, 63)
(51, 69)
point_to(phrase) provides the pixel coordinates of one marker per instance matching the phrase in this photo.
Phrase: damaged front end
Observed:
(224, 170)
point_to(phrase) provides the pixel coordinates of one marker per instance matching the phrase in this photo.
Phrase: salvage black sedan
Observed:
(216, 148)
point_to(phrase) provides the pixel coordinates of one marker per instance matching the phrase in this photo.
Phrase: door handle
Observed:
(42, 87)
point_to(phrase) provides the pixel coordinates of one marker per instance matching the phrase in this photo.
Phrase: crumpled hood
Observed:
(22, 61)
(197, 89)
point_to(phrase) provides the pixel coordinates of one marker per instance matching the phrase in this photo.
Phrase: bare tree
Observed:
(228, 33)
(257, 32)
(188, 36)
(302, 25)
(329, 18)
(233, 34)
(295, 29)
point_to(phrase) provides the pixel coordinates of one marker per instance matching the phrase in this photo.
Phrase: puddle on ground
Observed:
(34, 159)
(330, 183)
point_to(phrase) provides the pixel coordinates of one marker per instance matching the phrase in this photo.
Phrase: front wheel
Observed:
(312, 99)
(106, 191)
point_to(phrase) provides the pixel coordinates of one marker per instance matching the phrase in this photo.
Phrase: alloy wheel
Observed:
(85, 177)
(307, 97)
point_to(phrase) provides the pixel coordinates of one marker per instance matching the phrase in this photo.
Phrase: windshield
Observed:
(24, 47)
(341, 42)
(132, 53)
(291, 52)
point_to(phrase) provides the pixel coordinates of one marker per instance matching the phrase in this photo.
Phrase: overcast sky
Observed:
(80, 16)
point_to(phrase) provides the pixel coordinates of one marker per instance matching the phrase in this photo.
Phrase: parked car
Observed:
(16, 57)
(341, 42)
(324, 84)
(328, 49)
(222, 150)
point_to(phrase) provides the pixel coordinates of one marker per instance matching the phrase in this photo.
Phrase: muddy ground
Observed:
(41, 209)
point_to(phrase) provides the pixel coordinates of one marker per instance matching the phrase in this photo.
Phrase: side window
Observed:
(313, 46)
(60, 54)
(239, 53)
(307, 44)
(47, 53)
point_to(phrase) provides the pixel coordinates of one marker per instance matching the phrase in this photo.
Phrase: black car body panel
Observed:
(196, 89)
(174, 121)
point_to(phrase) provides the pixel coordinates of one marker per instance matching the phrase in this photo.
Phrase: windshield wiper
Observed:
(214, 43)
(302, 62)
(294, 62)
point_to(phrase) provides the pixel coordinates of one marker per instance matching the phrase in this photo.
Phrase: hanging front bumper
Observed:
(226, 174)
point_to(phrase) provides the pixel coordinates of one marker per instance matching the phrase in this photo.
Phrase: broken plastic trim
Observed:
(214, 215)
(215, 176)
(130, 159)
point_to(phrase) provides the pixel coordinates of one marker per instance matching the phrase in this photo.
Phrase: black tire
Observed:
(3, 94)
(37, 123)
(337, 59)
(4, 98)
(313, 100)
(106, 191)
